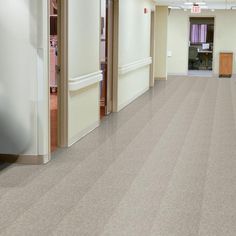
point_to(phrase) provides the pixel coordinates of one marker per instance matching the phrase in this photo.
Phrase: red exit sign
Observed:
(196, 9)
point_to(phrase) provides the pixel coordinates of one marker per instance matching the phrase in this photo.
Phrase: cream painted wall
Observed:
(83, 59)
(161, 35)
(178, 36)
(24, 78)
(225, 36)
(134, 45)
(132, 85)
(83, 38)
(178, 31)
(84, 105)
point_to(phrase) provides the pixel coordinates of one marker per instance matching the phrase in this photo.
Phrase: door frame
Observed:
(112, 56)
(62, 76)
(63, 79)
(152, 50)
(109, 54)
(115, 62)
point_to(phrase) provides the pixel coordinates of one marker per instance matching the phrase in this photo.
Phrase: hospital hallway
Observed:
(163, 166)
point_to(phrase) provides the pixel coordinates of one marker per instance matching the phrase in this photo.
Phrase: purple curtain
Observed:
(199, 33)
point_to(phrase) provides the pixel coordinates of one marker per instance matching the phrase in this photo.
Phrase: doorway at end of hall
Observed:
(201, 46)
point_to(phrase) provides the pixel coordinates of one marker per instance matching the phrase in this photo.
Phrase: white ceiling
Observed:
(211, 4)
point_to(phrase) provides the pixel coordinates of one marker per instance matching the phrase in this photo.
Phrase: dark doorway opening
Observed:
(201, 45)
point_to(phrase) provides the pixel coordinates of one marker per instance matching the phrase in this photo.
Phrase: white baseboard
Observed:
(83, 133)
(123, 105)
(177, 74)
(160, 78)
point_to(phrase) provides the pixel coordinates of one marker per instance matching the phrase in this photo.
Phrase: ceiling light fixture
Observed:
(188, 3)
(175, 7)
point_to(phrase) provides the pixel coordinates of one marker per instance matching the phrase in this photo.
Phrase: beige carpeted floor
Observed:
(164, 166)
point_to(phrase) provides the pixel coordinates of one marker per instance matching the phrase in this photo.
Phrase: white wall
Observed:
(225, 36)
(24, 64)
(134, 45)
(24, 78)
(178, 36)
(83, 59)
(178, 31)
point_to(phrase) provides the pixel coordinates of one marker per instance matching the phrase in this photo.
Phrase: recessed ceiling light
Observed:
(188, 3)
(195, 3)
(174, 7)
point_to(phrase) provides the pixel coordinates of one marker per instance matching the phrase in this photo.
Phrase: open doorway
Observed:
(201, 46)
(58, 56)
(53, 74)
(106, 56)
